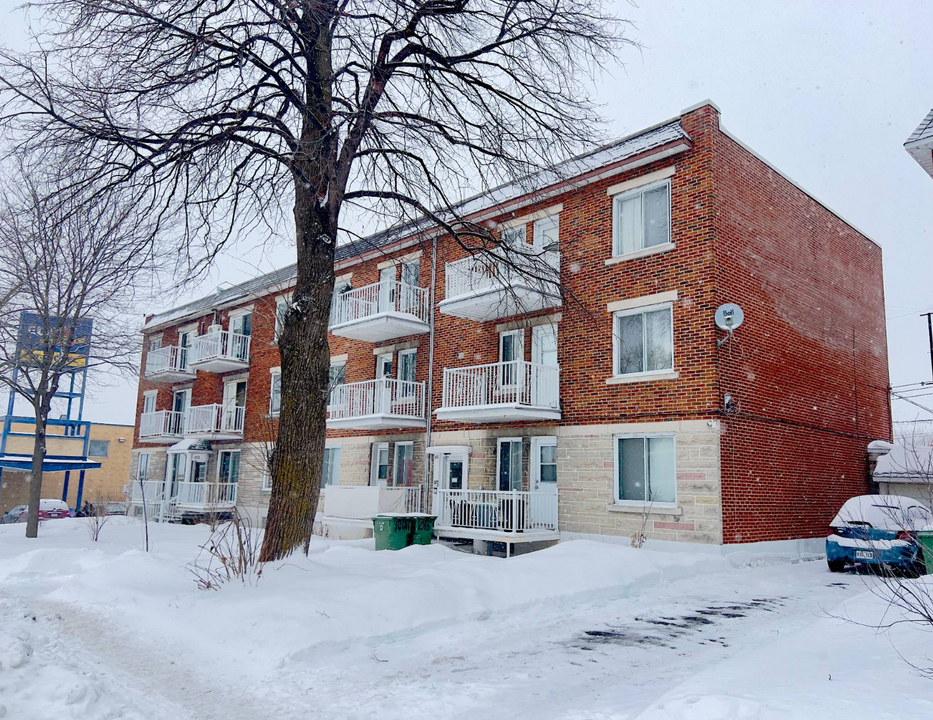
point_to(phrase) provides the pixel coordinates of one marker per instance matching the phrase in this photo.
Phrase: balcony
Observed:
(161, 426)
(219, 351)
(504, 391)
(485, 287)
(167, 503)
(169, 364)
(381, 311)
(377, 405)
(217, 422)
(498, 515)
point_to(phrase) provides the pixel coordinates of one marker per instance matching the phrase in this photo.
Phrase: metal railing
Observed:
(219, 345)
(204, 494)
(504, 383)
(162, 423)
(384, 396)
(216, 418)
(381, 297)
(168, 359)
(504, 511)
(486, 271)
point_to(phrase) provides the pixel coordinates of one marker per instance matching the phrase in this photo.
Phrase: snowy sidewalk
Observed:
(583, 630)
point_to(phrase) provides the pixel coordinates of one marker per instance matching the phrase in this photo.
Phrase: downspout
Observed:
(430, 389)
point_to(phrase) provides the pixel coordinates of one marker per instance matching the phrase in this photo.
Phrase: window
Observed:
(98, 448)
(242, 324)
(514, 236)
(546, 460)
(275, 394)
(641, 219)
(142, 468)
(228, 466)
(267, 479)
(281, 307)
(546, 231)
(265, 458)
(184, 342)
(379, 469)
(544, 345)
(234, 406)
(338, 376)
(181, 402)
(509, 463)
(411, 273)
(406, 372)
(644, 341)
(149, 401)
(387, 289)
(155, 342)
(645, 469)
(511, 350)
(384, 366)
(331, 475)
(404, 465)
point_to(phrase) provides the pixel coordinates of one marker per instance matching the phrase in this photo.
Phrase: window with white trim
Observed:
(281, 307)
(275, 394)
(338, 376)
(379, 466)
(331, 474)
(645, 469)
(142, 468)
(509, 463)
(407, 360)
(641, 218)
(643, 340)
(514, 236)
(404, 464)
(546, 232)
(155, 342)
(228, 466)
(149, 401)
(266, 459)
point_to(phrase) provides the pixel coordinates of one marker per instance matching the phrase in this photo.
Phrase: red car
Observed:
(48, 510)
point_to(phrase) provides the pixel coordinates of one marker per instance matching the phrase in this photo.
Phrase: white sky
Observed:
(827, 92)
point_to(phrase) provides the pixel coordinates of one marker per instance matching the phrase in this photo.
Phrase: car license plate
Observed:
(864, 555)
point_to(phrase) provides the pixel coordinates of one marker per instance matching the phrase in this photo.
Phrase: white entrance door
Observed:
(544, 481)
(544, 384)
(181, 404)
(382, 397)
(387, 289)
(379, 465)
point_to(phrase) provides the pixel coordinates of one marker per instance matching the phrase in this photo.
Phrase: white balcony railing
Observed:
(216, 419)
(199, 494)
(486, 271)
(381, 297)
(511, 511)
(162, 423)
(384, 396)
(503, 383)
(169, 359)
(220, 345)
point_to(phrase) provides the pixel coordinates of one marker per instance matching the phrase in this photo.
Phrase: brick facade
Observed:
(807, 372)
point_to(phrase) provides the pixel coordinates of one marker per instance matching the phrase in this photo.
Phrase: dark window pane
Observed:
(631, 350)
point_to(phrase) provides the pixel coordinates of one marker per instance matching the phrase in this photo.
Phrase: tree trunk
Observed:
(298, 458)
(35, 483)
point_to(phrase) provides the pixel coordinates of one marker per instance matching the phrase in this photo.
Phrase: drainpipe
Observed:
(430, 389)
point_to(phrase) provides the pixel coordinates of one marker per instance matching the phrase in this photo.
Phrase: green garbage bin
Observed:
(424, 529)
(925, 540)
(392, 532)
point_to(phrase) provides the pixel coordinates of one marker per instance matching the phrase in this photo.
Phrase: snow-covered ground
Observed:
(580, 631)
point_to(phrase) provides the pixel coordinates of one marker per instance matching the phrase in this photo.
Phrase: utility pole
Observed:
(929, 317)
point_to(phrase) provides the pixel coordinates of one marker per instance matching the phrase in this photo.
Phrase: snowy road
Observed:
(582, 631)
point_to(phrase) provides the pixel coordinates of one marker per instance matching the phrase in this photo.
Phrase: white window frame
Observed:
(499, 443)
(335, 465)
(238, 314)
(395, 464)
(538, 442)
(281, 307)
(538, 230)
(184, 346)
(520, 346)
(617, 201)
(405, 390)
(374, 463)
(617, 340)
(219, 464)
(266, 480)
(536, 334)
(150, 395)
(139, 465)
(274, 374)
(615, 471)
(155, 342)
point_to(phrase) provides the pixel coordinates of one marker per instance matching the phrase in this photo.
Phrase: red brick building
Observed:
(578, 383)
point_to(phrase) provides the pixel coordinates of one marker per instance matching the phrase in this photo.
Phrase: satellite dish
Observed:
(729, 317)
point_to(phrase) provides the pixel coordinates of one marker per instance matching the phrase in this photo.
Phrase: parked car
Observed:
(13, 515)
(877, 531)
(107, 508)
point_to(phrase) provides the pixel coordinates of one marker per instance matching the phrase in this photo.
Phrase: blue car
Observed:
(877, 531)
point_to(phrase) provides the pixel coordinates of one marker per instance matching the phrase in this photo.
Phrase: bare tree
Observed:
(396, 108)
(67, 259)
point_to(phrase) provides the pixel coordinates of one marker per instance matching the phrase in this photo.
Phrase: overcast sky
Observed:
(827, 92)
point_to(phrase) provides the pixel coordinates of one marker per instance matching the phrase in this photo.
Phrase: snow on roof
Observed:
(883, 512)
(920, 143)
(280, 280)
(190, 444)
(912, 464)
